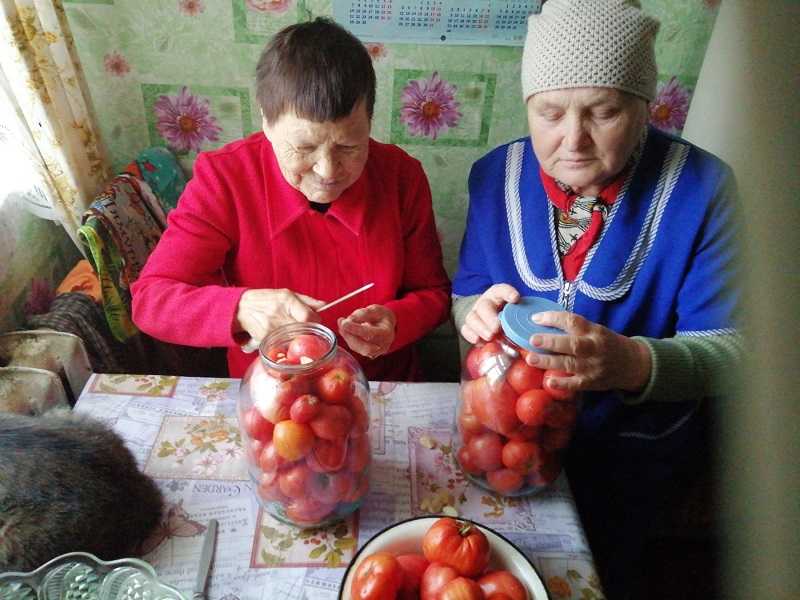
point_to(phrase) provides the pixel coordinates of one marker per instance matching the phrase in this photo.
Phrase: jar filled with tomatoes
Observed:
(511, 427)
(303, 414)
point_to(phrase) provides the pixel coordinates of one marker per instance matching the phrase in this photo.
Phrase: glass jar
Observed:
(303, 413)
(511, 430)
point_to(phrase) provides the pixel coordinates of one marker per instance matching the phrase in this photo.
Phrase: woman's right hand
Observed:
(261, 311)
(481, 322)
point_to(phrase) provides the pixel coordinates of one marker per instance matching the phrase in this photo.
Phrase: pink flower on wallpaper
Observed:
(184, 121)
(191, 8)
(429, 106)
(274, 6)
(116, 65)
(40, 297)
(669, 109)
(375, 50)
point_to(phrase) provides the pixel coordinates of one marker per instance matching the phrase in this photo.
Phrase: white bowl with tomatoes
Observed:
(440, 558)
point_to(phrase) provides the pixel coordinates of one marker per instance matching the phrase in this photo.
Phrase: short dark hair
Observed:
(316, 69)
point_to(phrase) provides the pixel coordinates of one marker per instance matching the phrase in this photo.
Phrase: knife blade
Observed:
(206, 556)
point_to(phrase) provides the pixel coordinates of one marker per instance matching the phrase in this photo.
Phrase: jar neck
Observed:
(282, 336)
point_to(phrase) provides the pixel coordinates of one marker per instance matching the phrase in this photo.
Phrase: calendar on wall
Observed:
(487, 22)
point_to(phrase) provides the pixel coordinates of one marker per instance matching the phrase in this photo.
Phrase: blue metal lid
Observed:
(518, 326)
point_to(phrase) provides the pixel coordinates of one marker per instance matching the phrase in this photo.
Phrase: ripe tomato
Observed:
(486, 451)
(306, 346)
(562, 414)
(521, 456)
(435, 577)
(499, 596)
(378, 577)
(459, 544)
(505, 481)
(332, 423)
(269, 407)
(467, 464)
(358, 454)
(254, 451)
(461, 588)
(487, 356)
(304, 408)
(548, 470)
(502, 582)
(471, 362)
(335, 386)
(525, 433)
(256, 426)
(306, 511)
(292, 440)
(330, 488)
(533, 406)
(269, 460)
(555, 439)
(294, 481)
(327, 456)
(269, 489)
(413, 566)
(555, 392)
(469, 425)
(360, 416)
(493, 405)
(523, 377)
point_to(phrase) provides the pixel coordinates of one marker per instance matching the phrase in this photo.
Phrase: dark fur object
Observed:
(68, 483)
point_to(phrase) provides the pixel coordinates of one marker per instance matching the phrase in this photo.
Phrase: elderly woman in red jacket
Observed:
(273, 226)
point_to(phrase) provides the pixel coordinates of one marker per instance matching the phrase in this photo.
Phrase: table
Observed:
(184, 433)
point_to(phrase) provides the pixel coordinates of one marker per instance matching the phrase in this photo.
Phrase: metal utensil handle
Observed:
(206, 556)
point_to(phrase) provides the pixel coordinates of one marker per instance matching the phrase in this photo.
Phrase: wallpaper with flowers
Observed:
(180, 73)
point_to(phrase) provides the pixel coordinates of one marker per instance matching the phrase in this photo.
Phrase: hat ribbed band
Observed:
(590, 43)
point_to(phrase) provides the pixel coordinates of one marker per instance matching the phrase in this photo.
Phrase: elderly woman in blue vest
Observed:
(633, 232)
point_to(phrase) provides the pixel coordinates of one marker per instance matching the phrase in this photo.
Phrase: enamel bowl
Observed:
(406, 537)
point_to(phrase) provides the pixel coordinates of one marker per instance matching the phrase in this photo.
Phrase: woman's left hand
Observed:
(369, 331)
(597, 357)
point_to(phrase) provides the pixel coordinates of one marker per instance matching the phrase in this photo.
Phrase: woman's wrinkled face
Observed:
(321, 160)
(585, 136)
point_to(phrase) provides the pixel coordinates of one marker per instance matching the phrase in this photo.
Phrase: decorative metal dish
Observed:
(83, 576)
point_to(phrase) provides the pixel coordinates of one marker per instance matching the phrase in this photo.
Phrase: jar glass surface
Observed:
(303, 414)
(510, 432)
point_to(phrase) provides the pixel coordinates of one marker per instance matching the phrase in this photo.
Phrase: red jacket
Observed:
(239, 225)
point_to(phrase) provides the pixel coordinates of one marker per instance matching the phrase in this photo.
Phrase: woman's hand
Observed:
(481, 323)
(261, 311)
(597, 357)
(369, 331)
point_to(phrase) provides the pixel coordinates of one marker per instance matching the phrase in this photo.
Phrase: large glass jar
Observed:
(303, 414)
(511, 429)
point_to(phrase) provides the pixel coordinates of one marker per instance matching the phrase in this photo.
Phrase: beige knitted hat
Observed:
(590, 43)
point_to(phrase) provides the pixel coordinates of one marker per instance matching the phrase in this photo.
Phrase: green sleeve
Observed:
(689, 368)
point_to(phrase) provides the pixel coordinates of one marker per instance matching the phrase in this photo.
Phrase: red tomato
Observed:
(562, 414)
(555, 439)
(335, 386)
(289, 390)
(254, 451)
(327, 456)
(307, 346)
(521, 456)
(467, 464)
(378, 577)
(486, 451)
(306, 511)
(269, 407)
(256, 426)
(304, 408)
(413, 566)
(277, 353)
(330, 488)
(533, 406)
(294, 481)
(487, 356)
(269, 460)
(469, 425)
(332, 423)
(360, 417)
(493, 405)
(555, 392)
(435, 577)
(525, 433)
(505, 481)
(499, 596)
(292, 440)
(523, 377)
(269, 489)
(456, 543)
(503, 582)
(547, 472)
(471, 362)
(358, 454)
(461, 588)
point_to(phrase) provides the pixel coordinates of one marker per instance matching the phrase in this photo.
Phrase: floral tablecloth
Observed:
(183, 432)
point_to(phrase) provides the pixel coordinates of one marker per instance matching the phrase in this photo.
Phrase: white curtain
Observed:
(46, 121)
